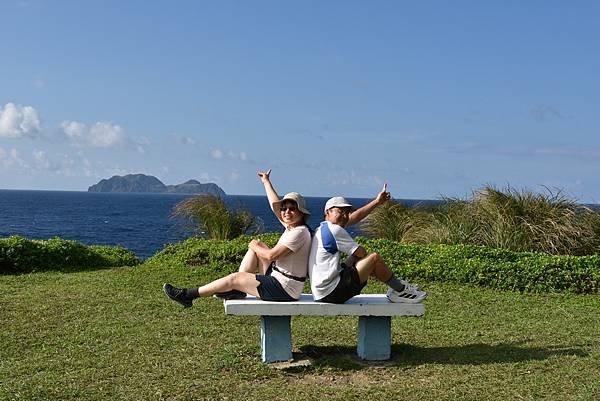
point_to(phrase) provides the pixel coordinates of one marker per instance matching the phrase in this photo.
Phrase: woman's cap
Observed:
(337, 201)
(296, 197)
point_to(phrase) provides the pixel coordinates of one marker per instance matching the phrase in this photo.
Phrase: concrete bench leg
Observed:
(276, 338)
(374, 337)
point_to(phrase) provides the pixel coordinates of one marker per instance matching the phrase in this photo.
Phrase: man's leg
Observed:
(373, 265)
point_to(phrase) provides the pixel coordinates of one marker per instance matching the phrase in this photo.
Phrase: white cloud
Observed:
(186, 140)
(545, 113)
(216, 154)
(41, 159)
(99, 135)
(10, 158)
(219, 154)
(18, 121)
(141, 143)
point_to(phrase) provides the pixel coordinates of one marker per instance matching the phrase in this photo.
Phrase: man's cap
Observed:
(296, 197)
(337, 201)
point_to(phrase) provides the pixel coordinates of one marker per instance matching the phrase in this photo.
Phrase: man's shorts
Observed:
(270, 289)
(348, 286)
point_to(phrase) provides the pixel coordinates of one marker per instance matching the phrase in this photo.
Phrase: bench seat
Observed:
(374, 325)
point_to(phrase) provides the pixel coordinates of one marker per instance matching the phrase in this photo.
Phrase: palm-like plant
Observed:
(209, 216)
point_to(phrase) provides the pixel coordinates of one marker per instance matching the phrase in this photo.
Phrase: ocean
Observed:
(138, 222)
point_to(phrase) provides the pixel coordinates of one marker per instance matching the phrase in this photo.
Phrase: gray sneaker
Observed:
(409, 295)
(406, 283)
(178, 295)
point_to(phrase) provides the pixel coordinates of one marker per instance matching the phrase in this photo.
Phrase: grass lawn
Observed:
(112, 334)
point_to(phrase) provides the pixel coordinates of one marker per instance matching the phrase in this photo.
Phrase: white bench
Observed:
(374, 324)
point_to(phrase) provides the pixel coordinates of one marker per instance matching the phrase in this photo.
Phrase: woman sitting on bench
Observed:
(271, 274)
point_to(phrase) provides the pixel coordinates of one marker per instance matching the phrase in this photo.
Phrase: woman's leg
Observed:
(241, 281)
(253, 264)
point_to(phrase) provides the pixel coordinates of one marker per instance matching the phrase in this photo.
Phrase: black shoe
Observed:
(232, 294)
(177, 294)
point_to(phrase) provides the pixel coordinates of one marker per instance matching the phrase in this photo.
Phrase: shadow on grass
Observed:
(345, 358)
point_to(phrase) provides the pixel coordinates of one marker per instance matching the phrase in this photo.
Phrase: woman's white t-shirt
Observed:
(298, 241)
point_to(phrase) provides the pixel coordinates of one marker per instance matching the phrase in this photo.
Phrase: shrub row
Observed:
(21, 255)
(216, 255)
(490, 267)
(478, 265)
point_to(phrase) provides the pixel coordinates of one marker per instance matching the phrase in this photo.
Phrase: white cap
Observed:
(337, 201)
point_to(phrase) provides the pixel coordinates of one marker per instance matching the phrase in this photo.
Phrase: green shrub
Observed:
(490, 267)
(477, 265)
(21, 255)
(216, 255)
(209, 216)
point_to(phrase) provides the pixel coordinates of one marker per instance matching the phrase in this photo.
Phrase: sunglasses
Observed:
(290, 208)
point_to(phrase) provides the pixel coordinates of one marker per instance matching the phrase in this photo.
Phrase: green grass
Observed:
(112, 334)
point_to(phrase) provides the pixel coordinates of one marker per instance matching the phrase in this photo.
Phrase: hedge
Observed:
(21, 255)
(478, 265)
(490, 267)
(216, 255)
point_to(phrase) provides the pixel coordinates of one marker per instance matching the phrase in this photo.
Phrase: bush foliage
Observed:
(21, 255)
(490, 267)
(508, 219)
(217, 255)
(478, 265)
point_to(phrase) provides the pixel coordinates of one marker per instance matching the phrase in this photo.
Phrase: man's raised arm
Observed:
(364, 211)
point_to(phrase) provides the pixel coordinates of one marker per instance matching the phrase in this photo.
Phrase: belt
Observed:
(302, 279)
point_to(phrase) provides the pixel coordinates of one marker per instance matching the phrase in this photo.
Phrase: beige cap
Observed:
(296, 197)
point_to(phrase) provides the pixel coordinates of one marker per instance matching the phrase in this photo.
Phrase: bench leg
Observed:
(275, 338)
(374, 337)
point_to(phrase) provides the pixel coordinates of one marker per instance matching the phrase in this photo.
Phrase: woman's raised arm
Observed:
(271, 193)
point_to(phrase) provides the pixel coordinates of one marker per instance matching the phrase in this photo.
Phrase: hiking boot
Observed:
(178, 294)
(409, 295)
(232, 294)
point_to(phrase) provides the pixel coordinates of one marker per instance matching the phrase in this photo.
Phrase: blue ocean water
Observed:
(138, 222)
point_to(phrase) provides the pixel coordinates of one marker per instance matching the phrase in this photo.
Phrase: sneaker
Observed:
(409, 295)
(177, 294)
(232, 294)
(406, 284)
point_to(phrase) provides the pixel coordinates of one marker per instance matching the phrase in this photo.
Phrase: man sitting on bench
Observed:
(335, 281)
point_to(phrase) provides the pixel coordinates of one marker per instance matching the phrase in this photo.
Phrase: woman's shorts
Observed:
(270, 289)
(348, 286)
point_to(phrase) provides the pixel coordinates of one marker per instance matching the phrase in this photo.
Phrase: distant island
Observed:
(149, 184)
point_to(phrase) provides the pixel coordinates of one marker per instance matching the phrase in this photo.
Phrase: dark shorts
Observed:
(348, 286)
(270, 289)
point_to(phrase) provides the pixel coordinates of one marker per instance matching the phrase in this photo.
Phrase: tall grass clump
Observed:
(397, 222)
(517, 220)
(209, 216)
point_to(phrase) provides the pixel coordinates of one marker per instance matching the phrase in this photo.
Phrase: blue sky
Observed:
(434, 97)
